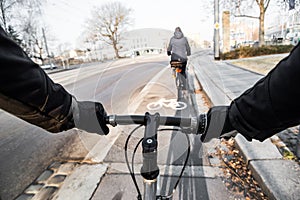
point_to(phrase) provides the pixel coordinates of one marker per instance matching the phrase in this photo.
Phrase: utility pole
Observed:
(216, 31)
(45, 40)
(47, 50)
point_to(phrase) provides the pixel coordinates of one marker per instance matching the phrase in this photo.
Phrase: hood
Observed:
(178, 34)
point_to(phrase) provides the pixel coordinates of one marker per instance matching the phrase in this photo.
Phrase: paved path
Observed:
(221, 81)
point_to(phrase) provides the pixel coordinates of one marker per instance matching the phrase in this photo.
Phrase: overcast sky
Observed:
(66, 18)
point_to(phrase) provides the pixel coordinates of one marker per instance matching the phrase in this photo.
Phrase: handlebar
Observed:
(149, 169)
(195, 124)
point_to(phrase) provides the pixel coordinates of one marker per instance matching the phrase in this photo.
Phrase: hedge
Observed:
(244, 52)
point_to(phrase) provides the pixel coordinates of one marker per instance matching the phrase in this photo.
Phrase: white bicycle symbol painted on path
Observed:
(169, 103)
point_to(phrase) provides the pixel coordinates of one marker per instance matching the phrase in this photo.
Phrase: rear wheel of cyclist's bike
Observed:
(180, 81)
(182, 87)
(182, 95)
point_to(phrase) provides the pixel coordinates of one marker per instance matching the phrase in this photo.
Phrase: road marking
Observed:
(137, 101)
(168, 103)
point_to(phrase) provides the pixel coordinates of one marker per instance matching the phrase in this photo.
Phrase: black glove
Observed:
(217, 124)
(89, 116)
(169, 53)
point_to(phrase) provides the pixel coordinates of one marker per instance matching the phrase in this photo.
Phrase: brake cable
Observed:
(127, 163)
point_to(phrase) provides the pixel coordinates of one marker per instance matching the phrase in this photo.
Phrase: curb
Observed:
(270, 169)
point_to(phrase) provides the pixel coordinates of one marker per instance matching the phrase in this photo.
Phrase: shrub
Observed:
(244, 52)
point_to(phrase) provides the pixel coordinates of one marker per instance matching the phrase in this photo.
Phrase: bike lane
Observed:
(201, 179)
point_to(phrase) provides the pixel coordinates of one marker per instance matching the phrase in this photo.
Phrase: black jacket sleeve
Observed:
(272, 104)
(27, 92)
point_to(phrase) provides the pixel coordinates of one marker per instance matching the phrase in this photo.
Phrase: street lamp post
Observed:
(216, 31)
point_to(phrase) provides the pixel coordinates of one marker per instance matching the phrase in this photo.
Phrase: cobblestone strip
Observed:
(48, 183)
(286, 142)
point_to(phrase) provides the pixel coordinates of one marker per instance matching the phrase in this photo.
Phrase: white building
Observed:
(146, 40)
(137, 42)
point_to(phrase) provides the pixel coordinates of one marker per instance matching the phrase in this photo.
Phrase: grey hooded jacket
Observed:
(179, 47)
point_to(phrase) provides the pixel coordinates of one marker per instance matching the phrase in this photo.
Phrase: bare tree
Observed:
(25, 17)
(240, 11)
(33, 38)
(108, 22)
(6, 7)
(10, 10)
(263, 5)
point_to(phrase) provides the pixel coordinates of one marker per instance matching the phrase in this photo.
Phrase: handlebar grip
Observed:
(125, 119)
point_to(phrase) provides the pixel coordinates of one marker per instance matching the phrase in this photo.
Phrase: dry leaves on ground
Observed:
(237, 177)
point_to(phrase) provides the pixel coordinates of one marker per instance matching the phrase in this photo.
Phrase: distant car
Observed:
(48, 66)
(255, 44)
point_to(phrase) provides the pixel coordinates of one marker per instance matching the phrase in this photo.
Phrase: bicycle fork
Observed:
(150, 170)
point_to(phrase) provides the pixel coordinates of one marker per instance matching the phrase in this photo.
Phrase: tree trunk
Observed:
(261, 24)
(116, 49)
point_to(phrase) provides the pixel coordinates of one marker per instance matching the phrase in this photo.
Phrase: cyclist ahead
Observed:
(179, 49)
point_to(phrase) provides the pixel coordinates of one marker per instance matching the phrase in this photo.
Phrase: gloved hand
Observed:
(217, 124)
(169, 53)
(89, 116)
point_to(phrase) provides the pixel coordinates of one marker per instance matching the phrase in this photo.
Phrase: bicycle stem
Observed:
(150, 170)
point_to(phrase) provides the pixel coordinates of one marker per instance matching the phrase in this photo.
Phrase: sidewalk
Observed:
(222, 82)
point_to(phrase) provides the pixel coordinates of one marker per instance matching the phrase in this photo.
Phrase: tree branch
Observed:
(267, 5)
(248, 16)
